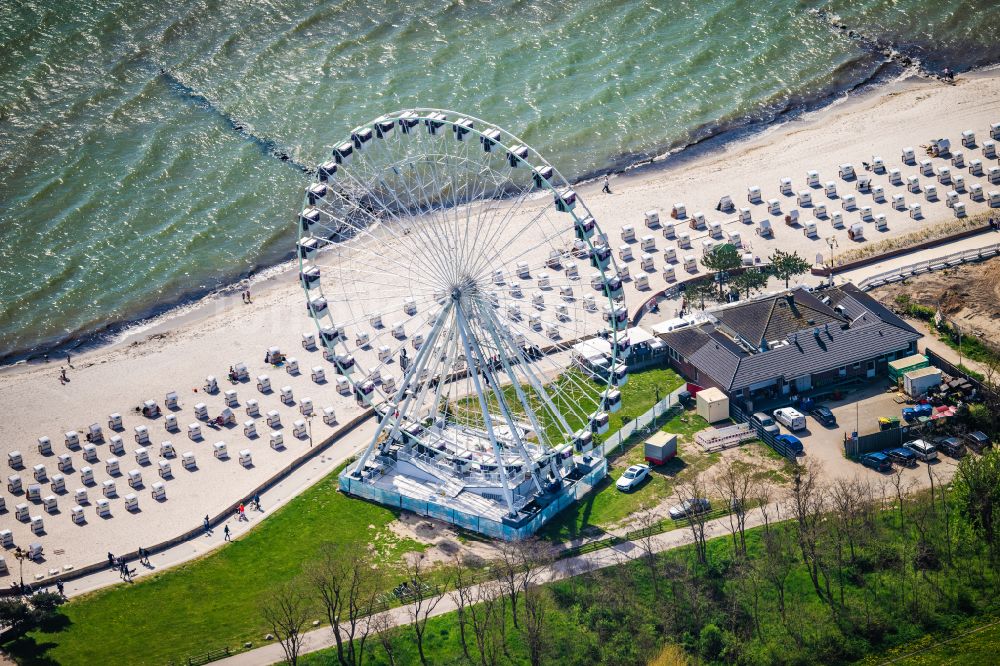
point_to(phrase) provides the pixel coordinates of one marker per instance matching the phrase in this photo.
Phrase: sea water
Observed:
(138, 140)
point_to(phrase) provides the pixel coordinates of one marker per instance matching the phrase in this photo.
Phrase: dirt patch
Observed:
(968, 296)
(443, 541)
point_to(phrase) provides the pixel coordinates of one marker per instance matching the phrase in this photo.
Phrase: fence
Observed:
(643, 423)
(203, 658)
(876, 441)
(738, 412)
(474, 523)
(939, 361)
(947, 261)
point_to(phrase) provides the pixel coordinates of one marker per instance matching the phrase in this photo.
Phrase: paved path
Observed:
(970, 243)
(279, 495)
(322, 638)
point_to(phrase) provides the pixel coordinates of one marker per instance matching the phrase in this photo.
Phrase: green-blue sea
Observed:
(130, 181)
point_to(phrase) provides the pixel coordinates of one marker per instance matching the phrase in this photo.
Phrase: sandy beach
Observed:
(177, 353)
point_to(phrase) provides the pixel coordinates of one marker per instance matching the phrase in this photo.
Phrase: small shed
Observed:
(901, 366)
(713, 405)
(660, 447)
(917, 382)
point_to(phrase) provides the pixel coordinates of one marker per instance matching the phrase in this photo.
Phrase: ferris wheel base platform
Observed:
(405, 487)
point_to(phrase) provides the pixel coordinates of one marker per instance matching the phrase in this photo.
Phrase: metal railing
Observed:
(929, 265)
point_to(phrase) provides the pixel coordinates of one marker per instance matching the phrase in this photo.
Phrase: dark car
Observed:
(824, 416)
(793, 443)
(690, 507)
(877, 461)
(977, 440)
(902, 456)
(950, 446)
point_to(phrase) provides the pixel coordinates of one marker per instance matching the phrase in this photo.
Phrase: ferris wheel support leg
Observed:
(403, 386)
(536, 384)
(463, 333)
(488, 324)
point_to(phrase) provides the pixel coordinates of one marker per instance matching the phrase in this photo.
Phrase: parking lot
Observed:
(859, 408)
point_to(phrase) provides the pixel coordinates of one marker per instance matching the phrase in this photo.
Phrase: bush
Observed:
(710, 642)
(16, 616)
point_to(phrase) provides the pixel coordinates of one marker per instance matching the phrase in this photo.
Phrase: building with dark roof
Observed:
(791, 342)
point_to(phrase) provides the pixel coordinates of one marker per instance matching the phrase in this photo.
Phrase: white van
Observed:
(790, 418)
(924, 450)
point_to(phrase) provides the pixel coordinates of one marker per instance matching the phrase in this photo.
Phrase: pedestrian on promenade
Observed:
(111, 560)
(256, 501)
(59, 586)
(607, 186)
(226, 532)
(241, 512)
(206, 525)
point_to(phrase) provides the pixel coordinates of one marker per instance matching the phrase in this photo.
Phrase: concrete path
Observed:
(279, 495)
(322, 638)
(970, 243)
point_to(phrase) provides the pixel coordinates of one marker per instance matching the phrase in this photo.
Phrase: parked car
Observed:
(690, 507)
(765, 422)
(824, 416)
(632, 477)
(790, 418)
(793, 443)
(902, 456)
(924, 450)
(950, 446)
(977, 440)
(878, 461)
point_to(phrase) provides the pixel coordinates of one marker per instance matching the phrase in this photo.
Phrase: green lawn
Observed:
(213, 601)
(573, 392)
(972, 646)
(606, 505)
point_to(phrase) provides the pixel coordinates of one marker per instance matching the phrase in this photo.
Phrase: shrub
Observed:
(710, 642)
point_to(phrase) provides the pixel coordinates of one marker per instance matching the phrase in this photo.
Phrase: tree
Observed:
(734, 482)
(785, 265)
(16, 616)
(698, 291)
(750, 281)
(423, 600)
(690, 490)
(286, 611)
(977, 490)
(345, 581)
(536, 602)
(462, 597)
(519, 565)
(381, 626)
(721, 260)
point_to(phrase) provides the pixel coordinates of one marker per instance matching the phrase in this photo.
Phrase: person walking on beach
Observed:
(607, 185)
(69, 360)
(226, 533)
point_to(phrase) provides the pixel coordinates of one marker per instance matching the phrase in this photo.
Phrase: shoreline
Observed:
(187, 307)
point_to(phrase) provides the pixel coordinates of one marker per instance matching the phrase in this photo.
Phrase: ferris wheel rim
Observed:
(554, 184)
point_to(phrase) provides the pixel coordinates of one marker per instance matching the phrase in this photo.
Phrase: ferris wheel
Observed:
(450, 271)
